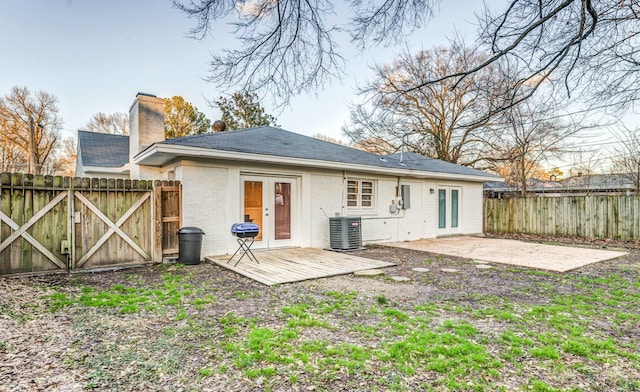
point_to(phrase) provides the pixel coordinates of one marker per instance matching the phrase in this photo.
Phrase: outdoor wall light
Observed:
(432, 191)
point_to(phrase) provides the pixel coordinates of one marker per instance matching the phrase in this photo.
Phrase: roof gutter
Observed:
(124, 169)
(146, 157)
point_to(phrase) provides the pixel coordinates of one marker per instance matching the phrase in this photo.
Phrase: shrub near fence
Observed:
(615, 216)
(50, 224)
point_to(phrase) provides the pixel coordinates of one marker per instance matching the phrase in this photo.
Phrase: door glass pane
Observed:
(454, 208)
(282, 210)
(442, 208)
(253, 204)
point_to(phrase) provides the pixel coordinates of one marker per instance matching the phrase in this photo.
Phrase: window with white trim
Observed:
(360, 194)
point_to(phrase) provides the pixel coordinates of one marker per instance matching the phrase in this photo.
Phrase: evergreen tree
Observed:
(181, 118)
(242, 110)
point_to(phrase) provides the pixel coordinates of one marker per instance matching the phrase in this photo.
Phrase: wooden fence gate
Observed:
(169, 203)
(50, 224)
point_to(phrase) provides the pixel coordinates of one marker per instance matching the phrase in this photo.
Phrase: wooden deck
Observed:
(296, 264)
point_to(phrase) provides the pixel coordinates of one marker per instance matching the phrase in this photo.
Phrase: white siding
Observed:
(429, 209)
(212, 201)
(472, 208)
(102, 174)
(79, 172)
(411, 226)
(204, 204)
(326, 201)
(470, 213)
(381, 225)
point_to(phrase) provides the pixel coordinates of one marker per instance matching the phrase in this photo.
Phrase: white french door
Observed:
(271, 203)
(449, 201)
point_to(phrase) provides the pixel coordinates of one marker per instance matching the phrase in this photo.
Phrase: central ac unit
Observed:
(345, 232)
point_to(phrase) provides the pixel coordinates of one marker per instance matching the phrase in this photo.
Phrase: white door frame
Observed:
(269, 200)
(447, 191)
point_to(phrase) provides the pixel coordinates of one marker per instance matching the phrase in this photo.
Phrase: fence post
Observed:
(156, 213)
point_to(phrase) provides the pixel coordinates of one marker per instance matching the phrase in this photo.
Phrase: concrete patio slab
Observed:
(525, 254)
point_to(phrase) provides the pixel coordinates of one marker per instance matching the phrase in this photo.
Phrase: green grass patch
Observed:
(541, 386)
(395, 314)
(174, 291)
(382, 300)
(337, 301)
(545, 352)
(205, 372)
(567, 326)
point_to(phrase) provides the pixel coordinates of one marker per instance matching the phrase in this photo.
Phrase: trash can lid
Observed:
(190, 230)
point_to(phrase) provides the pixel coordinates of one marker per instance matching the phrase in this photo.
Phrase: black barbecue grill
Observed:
(245, 234)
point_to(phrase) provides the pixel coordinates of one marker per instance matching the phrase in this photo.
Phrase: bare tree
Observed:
(374, 130)
(529, 134)
(587, 47)
(288, 46)
(116, 123)
(327, 138)
(436, 120)
(66, 156)
(30, 124)
(627, 155)
(585, 161)
(11, 157)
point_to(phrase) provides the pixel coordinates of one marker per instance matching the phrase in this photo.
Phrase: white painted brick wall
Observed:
(211, 201)
(204, 205)
(326, 198)
(411, 225)
(375, 229)
(429, 210)
(472, 208)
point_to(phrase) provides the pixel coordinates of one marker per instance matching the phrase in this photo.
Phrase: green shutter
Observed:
(442, 208)
(454, 208)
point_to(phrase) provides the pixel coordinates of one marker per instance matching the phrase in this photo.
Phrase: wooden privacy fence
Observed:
(50, 224)
(614, 216)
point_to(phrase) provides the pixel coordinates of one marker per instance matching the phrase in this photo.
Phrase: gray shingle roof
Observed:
(600, 181)
(277, 142)
(579, 184)
(103, 149)
(416, 161)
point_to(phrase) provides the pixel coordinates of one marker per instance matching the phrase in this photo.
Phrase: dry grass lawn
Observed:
(203, 328)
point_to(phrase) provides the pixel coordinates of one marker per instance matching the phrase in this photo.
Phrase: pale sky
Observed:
(94, 56)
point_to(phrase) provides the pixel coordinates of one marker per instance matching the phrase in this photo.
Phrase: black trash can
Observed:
(189, 245)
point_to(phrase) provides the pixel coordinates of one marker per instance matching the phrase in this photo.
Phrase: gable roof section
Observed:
(276, 144)
(103, 149)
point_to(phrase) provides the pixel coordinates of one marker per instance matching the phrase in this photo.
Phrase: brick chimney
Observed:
(146, 126)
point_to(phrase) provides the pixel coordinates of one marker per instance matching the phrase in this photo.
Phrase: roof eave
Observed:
(159, 154)
(124, 169)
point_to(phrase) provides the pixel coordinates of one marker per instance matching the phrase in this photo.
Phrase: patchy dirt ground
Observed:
(198, 328)
(602, 243)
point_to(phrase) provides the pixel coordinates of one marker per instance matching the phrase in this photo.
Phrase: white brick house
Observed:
(291, 184)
